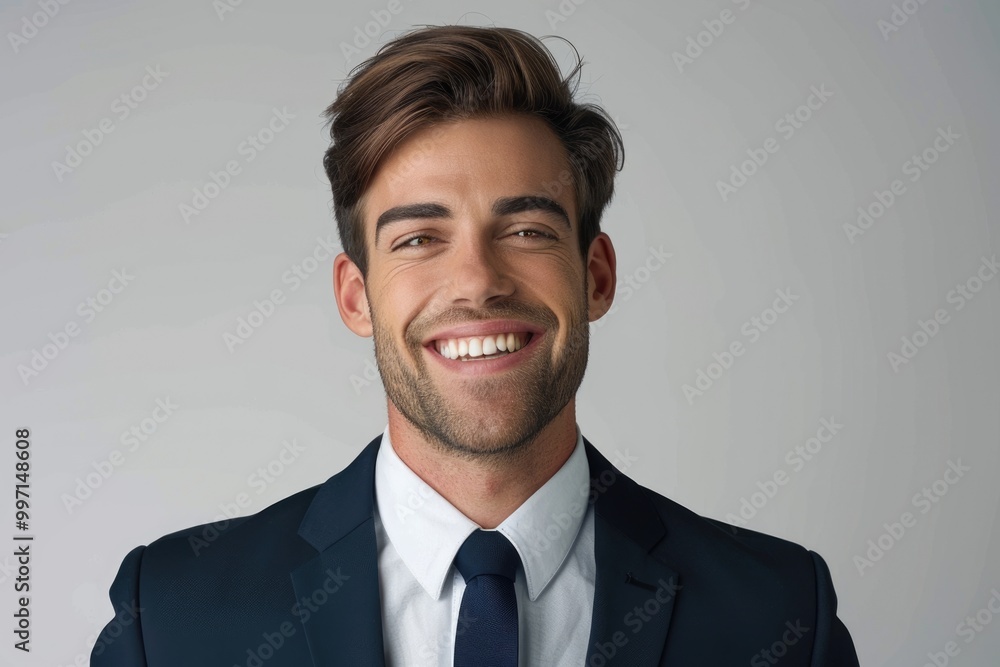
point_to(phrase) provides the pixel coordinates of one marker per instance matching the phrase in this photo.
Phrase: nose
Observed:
(479, 274)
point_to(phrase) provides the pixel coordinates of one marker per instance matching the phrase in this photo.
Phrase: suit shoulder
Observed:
(755, 584)
(678, 518)
(735, 561)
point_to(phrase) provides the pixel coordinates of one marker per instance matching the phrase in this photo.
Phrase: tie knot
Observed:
(487, 552)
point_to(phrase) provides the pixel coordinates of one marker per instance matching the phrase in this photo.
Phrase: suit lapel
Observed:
(634, 591)
(337, 592)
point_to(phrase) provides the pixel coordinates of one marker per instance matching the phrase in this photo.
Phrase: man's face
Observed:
(476, 288)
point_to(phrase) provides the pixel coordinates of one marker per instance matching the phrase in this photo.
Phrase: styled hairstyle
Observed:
(437, 74)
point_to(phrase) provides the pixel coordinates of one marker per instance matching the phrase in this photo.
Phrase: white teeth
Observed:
(481, 346)
(489, 345)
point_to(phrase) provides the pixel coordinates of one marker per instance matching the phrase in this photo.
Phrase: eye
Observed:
(409, 242)
(533, 234)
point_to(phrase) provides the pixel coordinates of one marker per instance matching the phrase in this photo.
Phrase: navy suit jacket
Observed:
(297, 584)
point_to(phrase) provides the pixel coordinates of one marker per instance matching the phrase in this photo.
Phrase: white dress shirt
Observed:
(419, 533)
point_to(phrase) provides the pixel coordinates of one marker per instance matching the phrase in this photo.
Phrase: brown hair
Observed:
(443, 73)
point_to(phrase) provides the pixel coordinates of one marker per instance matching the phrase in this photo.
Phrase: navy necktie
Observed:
(487, 619)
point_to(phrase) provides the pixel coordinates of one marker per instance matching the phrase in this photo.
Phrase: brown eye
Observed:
(534, 234)
(408, 243)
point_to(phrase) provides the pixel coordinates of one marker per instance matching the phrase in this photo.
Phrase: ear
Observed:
(352, 299)
(601, 276)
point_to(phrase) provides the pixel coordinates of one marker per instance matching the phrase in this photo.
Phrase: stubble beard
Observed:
(521, 401)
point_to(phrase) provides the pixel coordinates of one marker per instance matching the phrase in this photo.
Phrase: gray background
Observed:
(302, 375)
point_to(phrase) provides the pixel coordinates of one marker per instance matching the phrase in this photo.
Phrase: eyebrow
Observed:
(501, 207)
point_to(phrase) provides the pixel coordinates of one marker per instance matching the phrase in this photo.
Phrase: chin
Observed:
(486, 437)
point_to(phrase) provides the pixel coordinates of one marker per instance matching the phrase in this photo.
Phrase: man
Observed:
(480, 528)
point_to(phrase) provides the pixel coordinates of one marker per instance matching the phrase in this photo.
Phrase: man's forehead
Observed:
(482, 141)
(497, 160)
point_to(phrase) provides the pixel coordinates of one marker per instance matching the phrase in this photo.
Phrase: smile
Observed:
(481, 348)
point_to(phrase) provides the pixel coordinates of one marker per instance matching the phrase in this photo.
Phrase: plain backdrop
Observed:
(755, 130)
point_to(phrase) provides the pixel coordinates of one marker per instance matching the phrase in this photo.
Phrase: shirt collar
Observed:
(427, 531)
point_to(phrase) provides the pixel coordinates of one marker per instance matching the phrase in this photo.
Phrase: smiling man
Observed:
(468, 188)
(476, 294)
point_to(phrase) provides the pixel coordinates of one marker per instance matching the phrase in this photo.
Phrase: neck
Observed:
(486, 491)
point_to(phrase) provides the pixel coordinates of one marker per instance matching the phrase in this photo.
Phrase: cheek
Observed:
(406, 282)
(395, 306)
(557, 268)
(571, 279)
